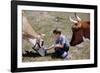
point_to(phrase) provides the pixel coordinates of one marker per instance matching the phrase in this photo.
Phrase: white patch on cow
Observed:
(85, 39)
(81, 45)
(32, 41)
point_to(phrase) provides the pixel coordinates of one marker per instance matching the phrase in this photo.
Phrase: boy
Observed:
(61, 45)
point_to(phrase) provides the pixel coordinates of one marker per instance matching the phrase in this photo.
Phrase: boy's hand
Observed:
(53, 46)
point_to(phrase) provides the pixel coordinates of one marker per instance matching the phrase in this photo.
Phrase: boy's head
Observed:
(57, 32)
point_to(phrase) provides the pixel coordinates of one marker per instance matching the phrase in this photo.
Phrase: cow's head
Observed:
(38, 42)
(80, 29)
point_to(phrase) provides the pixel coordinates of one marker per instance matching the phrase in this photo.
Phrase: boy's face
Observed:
(56, 35)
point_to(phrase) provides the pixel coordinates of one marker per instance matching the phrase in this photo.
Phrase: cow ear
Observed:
(85, 39)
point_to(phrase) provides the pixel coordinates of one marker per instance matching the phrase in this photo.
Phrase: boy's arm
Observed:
(56, 46)
(53, 46)
(59, 45)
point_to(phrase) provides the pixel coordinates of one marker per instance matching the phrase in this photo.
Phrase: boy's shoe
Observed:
(65, 55)
(66, 58)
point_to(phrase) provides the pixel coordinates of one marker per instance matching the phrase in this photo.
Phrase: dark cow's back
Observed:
(86, 30)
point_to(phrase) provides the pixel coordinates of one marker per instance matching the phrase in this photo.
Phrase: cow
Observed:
(29, 34)
(80, 31)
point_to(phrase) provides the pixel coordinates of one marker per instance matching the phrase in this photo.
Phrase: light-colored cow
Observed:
(29, 34)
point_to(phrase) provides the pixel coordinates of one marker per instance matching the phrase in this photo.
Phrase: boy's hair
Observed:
(57, 31)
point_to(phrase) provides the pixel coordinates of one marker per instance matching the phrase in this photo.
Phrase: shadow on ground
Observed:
(33, 54)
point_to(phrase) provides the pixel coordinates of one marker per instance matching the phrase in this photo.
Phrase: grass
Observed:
(45, 22)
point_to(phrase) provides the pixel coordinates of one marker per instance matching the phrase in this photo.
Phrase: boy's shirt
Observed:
(62, 40)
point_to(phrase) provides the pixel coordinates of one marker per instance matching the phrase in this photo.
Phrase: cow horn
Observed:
(72, 20)
(78, 18)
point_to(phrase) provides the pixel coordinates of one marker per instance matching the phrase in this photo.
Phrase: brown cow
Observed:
(80, 29)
